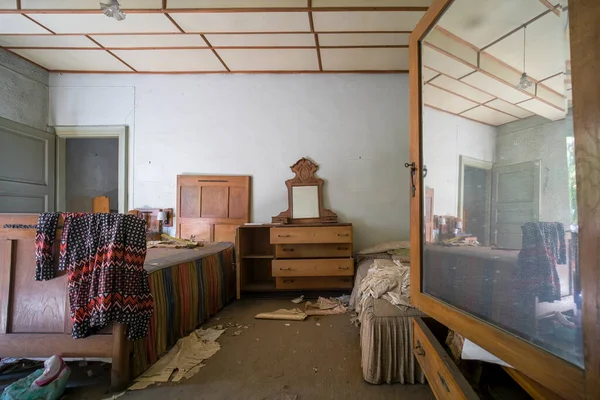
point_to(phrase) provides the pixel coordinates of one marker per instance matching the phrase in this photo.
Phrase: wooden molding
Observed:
(585, 63)
(305, 171)
(215, 10)
(111, 53)
(174, 23)
(38, 23)
(203, 32)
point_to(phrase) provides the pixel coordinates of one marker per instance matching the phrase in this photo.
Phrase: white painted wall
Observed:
(538, 138)
(23, 91)
(354, 126)
(445, 138)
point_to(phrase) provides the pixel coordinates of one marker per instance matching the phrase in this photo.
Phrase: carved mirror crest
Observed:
(305, 197)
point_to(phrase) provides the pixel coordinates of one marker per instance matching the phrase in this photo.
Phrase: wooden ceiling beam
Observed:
(38, 23)
(207, 47)
(215, 10)
(203, 33)
(111, 53)
(316, 37)
(358, 71)
(215, 52)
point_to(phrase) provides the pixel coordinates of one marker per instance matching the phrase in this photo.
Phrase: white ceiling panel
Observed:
(366, 20)
(427, 74)
(444, 64)
(181, 40)
(508, 108)
(371, 3)
(556, 83)
(495, 87)
(271, 59)
(539, 107)
(243, 22)
(488, 116)
(363, 39)
(18, 24)
(545, 48)
(46, 41)
(364, 59)
(483, 21)
(235, 3)
(501, 71)
(8, 4)
(99, 23)
(85, 4)
(258, 39)
(451, 45)
(441, 99)
(462, 89)
(171, 60)
(552, 97)
(73, 60)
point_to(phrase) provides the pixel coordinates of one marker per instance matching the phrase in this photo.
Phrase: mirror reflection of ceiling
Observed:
(474, 58)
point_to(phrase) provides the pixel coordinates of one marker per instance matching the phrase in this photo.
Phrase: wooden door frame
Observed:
(91, 132)
(556, 374)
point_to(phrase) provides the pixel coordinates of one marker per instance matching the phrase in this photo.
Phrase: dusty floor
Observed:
(270, 359)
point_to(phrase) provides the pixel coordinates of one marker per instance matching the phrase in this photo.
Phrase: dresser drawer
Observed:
(314, 267)
(328, 282)
(443, 376)
(315, 234)
(334, 250)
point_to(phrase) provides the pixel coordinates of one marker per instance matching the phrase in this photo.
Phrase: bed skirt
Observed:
(185, 295)
(386, 344)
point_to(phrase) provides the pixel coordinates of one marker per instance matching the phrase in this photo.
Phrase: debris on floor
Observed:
(237, 333)
(315, 369)
(325, 306)
(298, 300)
(318, 324)
(287, 324)
(115, 396)
(184, 360)
(294, 314)
(287, 396)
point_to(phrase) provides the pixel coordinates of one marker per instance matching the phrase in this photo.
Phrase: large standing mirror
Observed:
(500, 221)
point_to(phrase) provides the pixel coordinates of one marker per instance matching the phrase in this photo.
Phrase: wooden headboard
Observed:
(212, 207)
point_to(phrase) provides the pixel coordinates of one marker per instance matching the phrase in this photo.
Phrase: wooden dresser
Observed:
(294, 257)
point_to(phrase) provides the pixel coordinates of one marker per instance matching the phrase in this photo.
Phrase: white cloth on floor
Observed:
(386, 279)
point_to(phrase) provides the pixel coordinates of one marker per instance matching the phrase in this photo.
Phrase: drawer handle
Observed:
(288, 281)
(285, 269)
(343, 234)
(342, 248)
(419, 349)
(343, 267)
(444, 384)
(283, 235)
(288, 249)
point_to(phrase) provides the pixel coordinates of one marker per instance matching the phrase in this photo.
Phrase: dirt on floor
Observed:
(318, 358)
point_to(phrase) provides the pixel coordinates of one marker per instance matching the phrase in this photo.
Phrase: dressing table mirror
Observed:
(504, 125)
(305, 197)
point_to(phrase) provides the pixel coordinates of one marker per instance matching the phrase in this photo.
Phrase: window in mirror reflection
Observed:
(500, 194)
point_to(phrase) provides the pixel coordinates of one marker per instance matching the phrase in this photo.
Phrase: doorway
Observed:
(91, 169)
(91, 161)
(474, 206)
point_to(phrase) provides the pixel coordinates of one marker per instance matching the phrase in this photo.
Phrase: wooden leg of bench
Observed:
(120, 372)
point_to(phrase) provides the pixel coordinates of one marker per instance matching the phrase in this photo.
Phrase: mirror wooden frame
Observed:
(305, 171)
(556, 374)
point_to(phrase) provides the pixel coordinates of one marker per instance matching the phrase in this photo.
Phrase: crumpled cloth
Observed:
(389, 280)
(325, 306)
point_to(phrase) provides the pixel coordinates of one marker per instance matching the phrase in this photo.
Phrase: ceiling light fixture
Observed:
(524, 82)
(113, 10)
